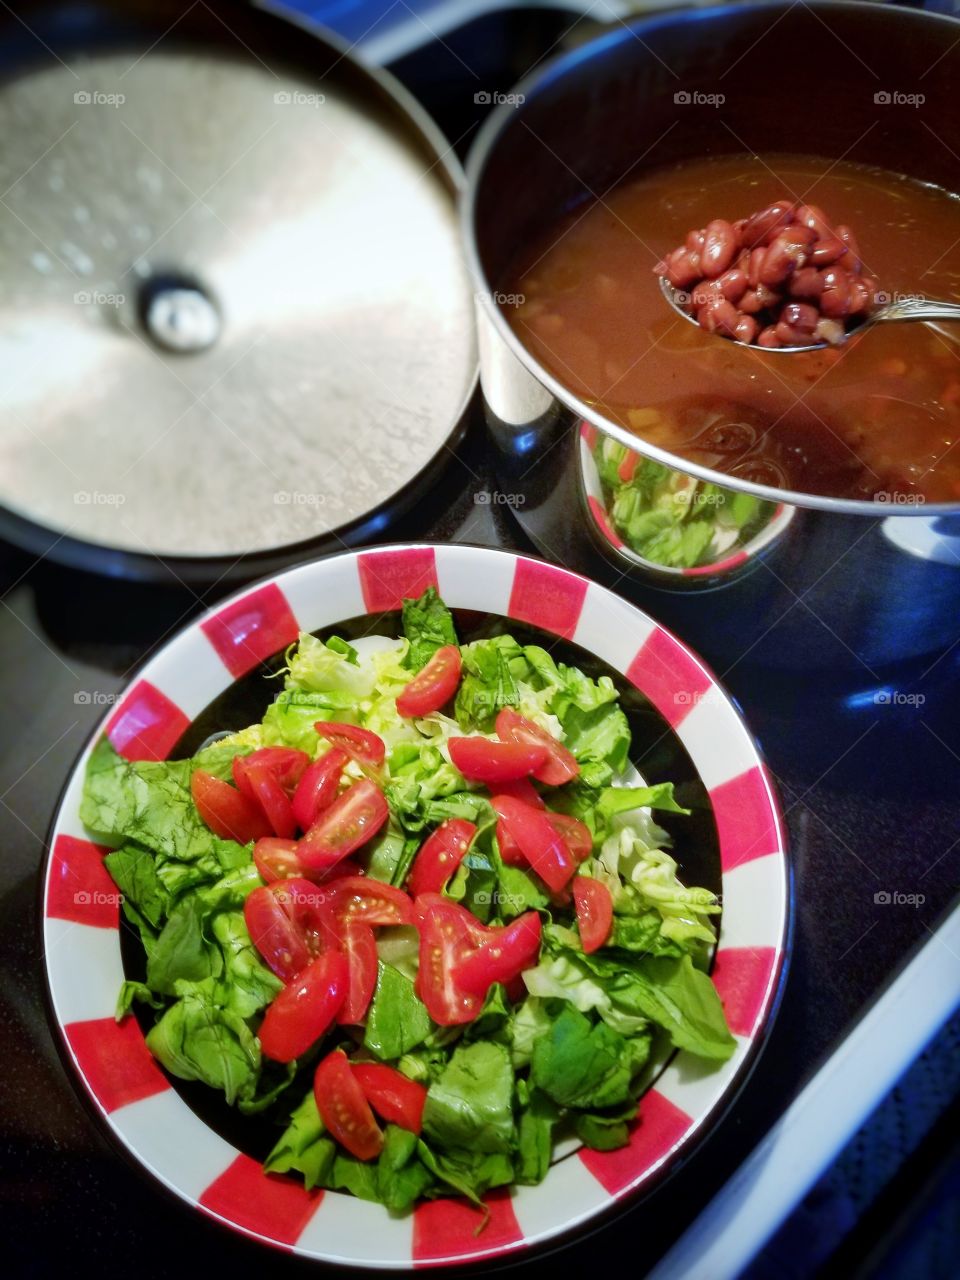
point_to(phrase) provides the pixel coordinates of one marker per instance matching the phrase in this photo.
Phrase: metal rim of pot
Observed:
(483, 147)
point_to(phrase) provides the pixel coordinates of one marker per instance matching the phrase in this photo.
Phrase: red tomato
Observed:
(227, 812)
(628, 466)
(366, 900)
(287, 925)
(434, 686)
(286, 762)
(277, 859)
(594, 912)
(318, 787)
(576, 835)
(448, 932)
(353, 819)
(360, 948)
(261, 785)
(502, 956)
(362, 745)
(484, 761)
(539, 842)
(344, 1109)
(509, 849)
(522, 789)
(440, 855)
(560, 766)
(305, 1008)
(394, 1097)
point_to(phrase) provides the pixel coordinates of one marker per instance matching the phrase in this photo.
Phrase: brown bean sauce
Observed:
(879, 415)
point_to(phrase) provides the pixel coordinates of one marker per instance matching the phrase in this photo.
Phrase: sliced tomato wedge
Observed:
(594, 912)
(286, 762)
(305, 1008)
(258, 781)
(318, 787)
(448, 932)
(576, 835)
(365, 900)
(538, 840)
(502, 956)
(287, 924)
(226, 811)
(395, 1098)
(434, 686)
(359, 946)
(277, 858)
(440, 855)
(344, 1109)
(560, 765)
(353, 819)
(481, 760)
(362, 745)
(522, 789)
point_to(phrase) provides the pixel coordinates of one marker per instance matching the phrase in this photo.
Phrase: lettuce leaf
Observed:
(428, 625)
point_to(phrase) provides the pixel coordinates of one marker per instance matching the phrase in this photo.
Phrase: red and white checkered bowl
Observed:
(81, 913)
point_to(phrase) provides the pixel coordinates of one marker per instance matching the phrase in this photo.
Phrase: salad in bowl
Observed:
(423, 909)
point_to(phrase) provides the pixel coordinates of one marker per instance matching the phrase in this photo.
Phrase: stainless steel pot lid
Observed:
(233, 311)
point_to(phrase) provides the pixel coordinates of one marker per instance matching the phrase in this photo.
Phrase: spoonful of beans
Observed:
(785, 279)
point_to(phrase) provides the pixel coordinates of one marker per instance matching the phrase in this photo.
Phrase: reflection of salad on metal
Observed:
(421, 913)
(670, 518)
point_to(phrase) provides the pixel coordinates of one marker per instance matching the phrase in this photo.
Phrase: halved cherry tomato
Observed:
(318, 786)
(286, 762)
(448, 932)
(277, 859)
(366, 900)
(344, 1109)
(353, 819)
(362, 745)
(628, 466)
(227, 812)
(576, 835)
(434, 686)
(287, 924)
(594, 912)
(305, 1008)
(543, 847)
(440, 855)
(394, 1097)
(359, 946)
(261, 785)
(484, 761)
(522, 789)
(501, 957)
(560, 766)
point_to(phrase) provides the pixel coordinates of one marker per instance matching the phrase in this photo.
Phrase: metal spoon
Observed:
(903, 309)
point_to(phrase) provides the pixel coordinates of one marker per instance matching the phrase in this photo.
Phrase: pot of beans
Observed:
(716, 256)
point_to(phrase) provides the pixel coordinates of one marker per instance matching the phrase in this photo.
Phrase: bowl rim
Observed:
(498, 122)
(541, 577)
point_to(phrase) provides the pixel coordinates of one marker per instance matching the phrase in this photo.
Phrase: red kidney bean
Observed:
(762, 226)
(738, 227)
(705, 292)
(758, 299)
(800, 316)
(732, 284)
(859, 296)
(811, 215)
(681, 271)
(851, 259)
(768, 337)
(719, 247)
(745, 329)
(827, 251)
(755, 266)
(786, 252)
(791, 337)
(719, 316)
(872, 289)
(806, 282)
(694, 241)
(835, 299)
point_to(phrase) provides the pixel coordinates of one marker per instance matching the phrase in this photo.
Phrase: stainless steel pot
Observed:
(841, 580)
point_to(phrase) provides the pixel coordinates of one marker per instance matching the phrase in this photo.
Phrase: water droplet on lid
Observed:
(108, 240)
(55, 182)
(140, 232)
(77, 258)
(81, 213)
(40, 262)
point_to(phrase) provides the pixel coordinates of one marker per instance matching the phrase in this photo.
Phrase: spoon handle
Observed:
(919, 309)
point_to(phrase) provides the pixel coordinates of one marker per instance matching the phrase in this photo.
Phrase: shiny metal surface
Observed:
(881, 577)
(899, 311)
(233, 310)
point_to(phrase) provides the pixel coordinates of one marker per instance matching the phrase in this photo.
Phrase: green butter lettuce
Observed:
(563, 1053)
